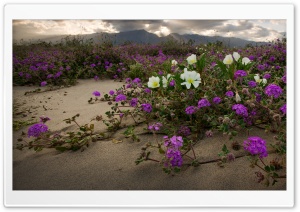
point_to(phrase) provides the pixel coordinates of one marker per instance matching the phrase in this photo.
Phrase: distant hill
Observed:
(144, 37)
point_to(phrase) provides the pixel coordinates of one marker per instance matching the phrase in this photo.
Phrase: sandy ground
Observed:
(109, 166)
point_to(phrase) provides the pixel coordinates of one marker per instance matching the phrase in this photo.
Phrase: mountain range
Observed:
(144, 37)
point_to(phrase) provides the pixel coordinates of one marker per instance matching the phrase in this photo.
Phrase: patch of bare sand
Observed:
(108, 166)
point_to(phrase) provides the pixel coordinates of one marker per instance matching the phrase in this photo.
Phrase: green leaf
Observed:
(176, 169)
(161, 151)
(225, 149)
(234, 133)
(267, 168)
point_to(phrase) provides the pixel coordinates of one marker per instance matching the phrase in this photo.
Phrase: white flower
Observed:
(182, 76)
(237, 97)
(191, 77)
(245, 60)
(228, 59)
(165, 80)
(259, 80)
(192, 59)
(174, 62)
(236, 56)
(153, 82)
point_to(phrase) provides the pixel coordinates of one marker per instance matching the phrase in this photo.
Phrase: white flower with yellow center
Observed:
(174, 62)
(153, 82)
(259, 80)
(192, 59)
(228, 59)
(191, 78)
(236, 56)
(182, 76)
(245, 60)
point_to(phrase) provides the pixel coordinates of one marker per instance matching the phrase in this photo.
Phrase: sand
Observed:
(105, 165)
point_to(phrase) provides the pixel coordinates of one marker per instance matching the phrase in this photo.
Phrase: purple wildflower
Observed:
(160, 73)
(93, 65)
(256, 146)
(240, 110)
(258, 97)
(58, 74)
(37, 129)
(261, 67)
(155, 127)
(96, 78)
(21, 74)
(217, 100)
(128, 80)
(111, 92)
(147, 90)
(239, 74)
(128, 86)
(273, 90)
(68, 68)
(133, 102)
(136, 80)
(190, 110)
(229, 94)
(252, 84)
(184, 131)
(120, 97)
(44, 83)
(203, 103)
(283, 109)
(121, 115)
(267, 76)
(49, 76)
(147, 107)
(272, 58)
(96, 93)
(174, 156)
(175, 141)
(172, 83)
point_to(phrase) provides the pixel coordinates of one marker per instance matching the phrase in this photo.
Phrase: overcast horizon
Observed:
(254, 30)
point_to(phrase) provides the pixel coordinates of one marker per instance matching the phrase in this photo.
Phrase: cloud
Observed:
(257, 30)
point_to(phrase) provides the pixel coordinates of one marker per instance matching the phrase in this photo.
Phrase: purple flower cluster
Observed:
(120, 97)
(267, 76)
(133, 102)
(239, 74)
(190, 110)
(256, 146)
(147, 90)
(252, 84)
(240, 110)
(147, 107)
(217, 100)
(111, 92)
(137, 80)
(155, 127)
(173, 153)
(184, 131)
(229, 94)
(172, 83)
(273, 90)
(203, 103)
(37, 129)
(96, 93)
(283, 109)
(44, 83)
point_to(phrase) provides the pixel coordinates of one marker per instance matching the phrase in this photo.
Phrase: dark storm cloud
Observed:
(176, 26)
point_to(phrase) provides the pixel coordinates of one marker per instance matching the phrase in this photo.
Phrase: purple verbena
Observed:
(37, 129)
(256, 146)
(273, 90)
(203, 103)
(240, 110)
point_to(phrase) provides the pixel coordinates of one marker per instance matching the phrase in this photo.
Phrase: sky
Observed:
(256, 30)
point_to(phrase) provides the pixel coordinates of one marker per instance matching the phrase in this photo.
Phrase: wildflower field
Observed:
(165, 101)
